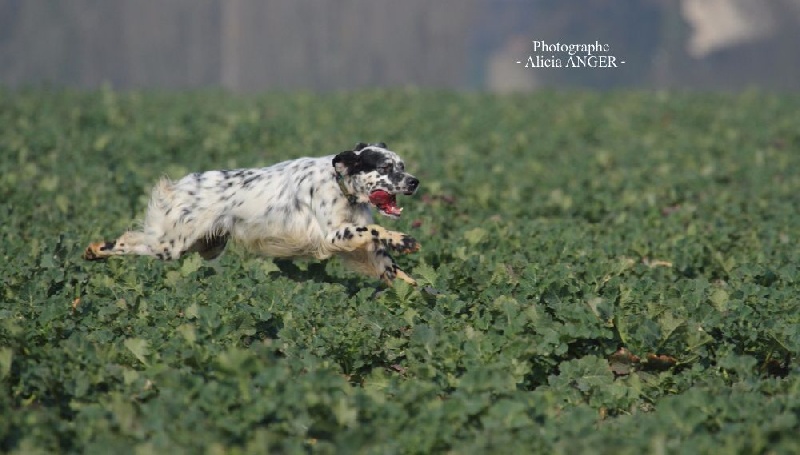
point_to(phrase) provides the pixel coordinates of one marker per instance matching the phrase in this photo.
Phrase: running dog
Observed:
(303, 208)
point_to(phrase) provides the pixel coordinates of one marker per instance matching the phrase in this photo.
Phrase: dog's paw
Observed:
(403, 276)
(405, 244)
(394, 273)
(97, 251)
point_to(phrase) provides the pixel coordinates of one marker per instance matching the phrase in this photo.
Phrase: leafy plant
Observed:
(599, 273)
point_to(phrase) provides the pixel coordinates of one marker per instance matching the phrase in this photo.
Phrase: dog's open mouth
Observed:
(386, 203)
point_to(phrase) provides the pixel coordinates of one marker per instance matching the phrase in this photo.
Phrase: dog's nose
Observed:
(412, 183)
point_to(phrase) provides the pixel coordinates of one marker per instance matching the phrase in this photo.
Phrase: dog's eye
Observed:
(384, 168)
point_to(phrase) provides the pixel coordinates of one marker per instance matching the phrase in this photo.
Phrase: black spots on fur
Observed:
(374, 233)
(347, 234)
(239, 203)
(334, 201)
(192, 193)
(311, 192)
(297, 204)
(230, 184)
(396, 177)
(303, 178)
(362, 229)
(269, 211)
(108, 246)
(250, 179)
(383, 184)
(172, 243)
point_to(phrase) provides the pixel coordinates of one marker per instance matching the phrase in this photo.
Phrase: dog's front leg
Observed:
(351, 237)
(364, 249)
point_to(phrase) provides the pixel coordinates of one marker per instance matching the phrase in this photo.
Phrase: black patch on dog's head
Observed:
(345, 162)
(359, 160)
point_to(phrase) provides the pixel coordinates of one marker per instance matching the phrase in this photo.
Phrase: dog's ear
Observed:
(346, 162)
(379, 144)
(359, 146)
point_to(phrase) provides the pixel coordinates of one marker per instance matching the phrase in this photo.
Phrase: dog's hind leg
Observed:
(170, 230)
(209, 247)
(131, 242)
(140, 243)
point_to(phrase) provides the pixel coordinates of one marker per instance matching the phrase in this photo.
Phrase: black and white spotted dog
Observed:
(302, 208)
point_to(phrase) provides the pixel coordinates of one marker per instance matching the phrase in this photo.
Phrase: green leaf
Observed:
(191, 264)
(188, 332)
(192, 311)
(346, 415)
(669, 324)
(140, 348)
(6, 356)
(719, 297)
(475, 235)
(425, 274)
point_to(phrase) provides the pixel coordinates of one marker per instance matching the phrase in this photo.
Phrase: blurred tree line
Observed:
(249, 45)
(242, 45)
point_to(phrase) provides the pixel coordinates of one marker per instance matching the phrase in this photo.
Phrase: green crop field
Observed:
(599, 273)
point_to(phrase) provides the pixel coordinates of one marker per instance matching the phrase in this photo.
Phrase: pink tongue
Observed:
(385, 202)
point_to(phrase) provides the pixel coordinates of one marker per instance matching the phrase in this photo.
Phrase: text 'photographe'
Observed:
(562, 55)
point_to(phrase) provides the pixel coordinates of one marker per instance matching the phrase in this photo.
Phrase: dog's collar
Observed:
(351, 198)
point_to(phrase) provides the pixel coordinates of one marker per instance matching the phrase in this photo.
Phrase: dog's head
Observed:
(372, 173)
